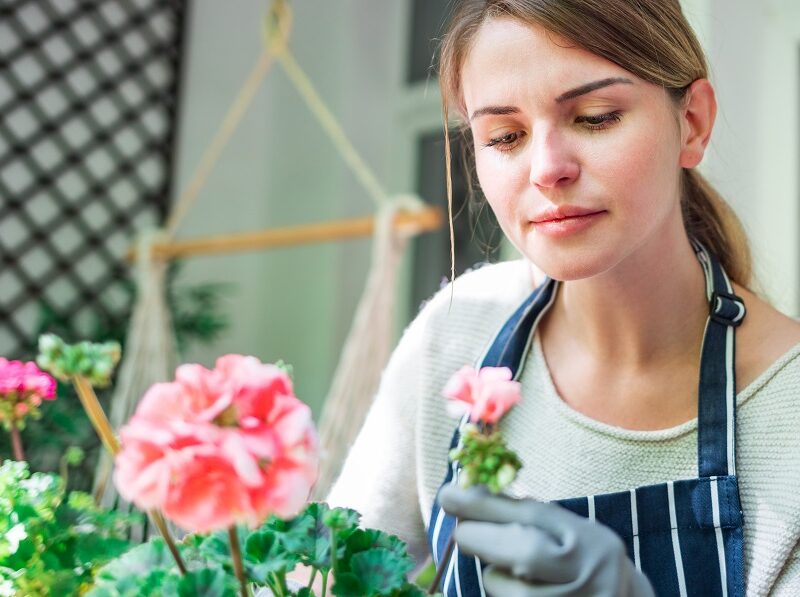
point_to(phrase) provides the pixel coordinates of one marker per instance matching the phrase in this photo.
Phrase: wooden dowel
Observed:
(410, 223)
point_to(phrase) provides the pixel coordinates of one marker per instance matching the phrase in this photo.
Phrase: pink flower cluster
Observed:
(486, 394)
(218, 447)
(23, 386)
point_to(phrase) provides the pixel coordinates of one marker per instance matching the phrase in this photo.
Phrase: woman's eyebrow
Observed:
(588, 87)
(494, 110)
(567, 95)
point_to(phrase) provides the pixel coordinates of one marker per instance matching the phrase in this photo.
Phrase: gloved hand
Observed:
(541, 549)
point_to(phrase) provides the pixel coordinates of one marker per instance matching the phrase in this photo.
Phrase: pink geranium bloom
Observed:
(25, 379)
(486, 394)
(220, 446)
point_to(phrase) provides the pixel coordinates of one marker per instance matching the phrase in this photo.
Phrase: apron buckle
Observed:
(726, 308)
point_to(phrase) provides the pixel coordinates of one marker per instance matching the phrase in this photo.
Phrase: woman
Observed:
(659, 392)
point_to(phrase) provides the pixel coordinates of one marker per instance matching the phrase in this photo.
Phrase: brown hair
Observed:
(649, 38)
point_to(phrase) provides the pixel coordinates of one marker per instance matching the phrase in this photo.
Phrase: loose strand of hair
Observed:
(449, 184)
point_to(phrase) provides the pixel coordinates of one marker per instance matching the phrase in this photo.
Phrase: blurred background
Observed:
(107, 106)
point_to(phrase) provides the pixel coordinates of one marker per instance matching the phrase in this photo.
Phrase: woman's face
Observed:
(541, 150)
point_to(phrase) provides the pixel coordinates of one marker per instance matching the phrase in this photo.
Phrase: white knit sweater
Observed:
(399, 459)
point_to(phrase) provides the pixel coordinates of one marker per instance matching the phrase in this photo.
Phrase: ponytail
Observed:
(709, 219)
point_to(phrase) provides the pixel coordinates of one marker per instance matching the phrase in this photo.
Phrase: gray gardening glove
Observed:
(541, 549)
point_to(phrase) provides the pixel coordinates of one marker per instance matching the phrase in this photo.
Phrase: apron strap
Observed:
(510, 345)
(716, 411)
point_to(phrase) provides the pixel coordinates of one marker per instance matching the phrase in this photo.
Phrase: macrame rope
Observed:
(331, 126)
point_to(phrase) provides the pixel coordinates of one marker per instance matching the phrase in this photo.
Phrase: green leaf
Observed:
(307, 535)
(215, 547)
(380, 570)
(207, 582)
(348, 584)
(264, 554)
(157, 583)
(365, 539)
(139, 561)
(93, 549)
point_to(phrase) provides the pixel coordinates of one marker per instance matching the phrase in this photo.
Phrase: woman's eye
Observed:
(601, 121)
(505, 142)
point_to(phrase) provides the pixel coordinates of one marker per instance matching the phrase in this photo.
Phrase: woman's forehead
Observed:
(511, 58)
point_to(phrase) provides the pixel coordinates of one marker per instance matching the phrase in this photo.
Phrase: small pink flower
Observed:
(37, 382)
(486, 394)
(21, 409)
(25, 381)
(217, 447)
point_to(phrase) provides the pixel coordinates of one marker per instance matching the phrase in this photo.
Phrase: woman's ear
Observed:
(697, 113)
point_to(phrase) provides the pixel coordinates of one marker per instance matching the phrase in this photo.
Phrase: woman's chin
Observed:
(568, 264)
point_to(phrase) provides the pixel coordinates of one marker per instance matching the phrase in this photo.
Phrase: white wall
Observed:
(754, 54)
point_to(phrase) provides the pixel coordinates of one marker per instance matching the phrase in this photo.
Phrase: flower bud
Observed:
(505, 476)
(49, 343)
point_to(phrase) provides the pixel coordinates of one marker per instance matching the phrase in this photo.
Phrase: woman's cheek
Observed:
(499, 190)
(502, 182)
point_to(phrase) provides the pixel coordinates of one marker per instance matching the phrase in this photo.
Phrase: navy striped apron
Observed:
(685, 535)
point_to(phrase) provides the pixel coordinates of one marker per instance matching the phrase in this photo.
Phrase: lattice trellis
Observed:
(88, 112)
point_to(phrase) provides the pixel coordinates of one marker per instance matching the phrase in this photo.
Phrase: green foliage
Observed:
(368, 562)
(51, 542)
(374, 571)
(149, 570)
(265, 556)
(485, 459)
(207, 582)
(93, 360)
(309, 535)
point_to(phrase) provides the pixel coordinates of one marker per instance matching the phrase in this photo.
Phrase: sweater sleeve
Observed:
(379, 478)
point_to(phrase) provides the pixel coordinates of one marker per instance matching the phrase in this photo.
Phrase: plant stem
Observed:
(63, 470)
(443, 563)
(16, 441)
(334, 554)
(311, 580)
(96, 414)
(236, 555)
(282, 583)
(105, 431)
(324, 585)
(158, 520)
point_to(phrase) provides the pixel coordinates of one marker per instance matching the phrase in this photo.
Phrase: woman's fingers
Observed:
(499, 584)
(477, 503)
(524, 551)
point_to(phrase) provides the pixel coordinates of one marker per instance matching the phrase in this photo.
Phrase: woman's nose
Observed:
(553, 162)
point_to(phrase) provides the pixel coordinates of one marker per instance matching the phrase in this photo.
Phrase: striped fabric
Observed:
(676, 532)
(685, 535)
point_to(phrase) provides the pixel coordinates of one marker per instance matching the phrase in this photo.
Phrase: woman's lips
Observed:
(561, 227)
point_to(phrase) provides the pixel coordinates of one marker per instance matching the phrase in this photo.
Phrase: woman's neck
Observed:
(648, 310)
